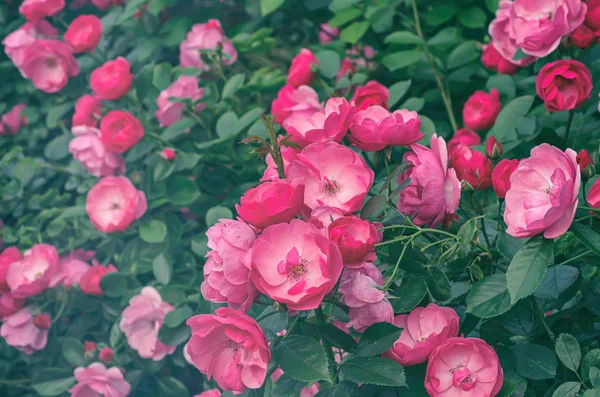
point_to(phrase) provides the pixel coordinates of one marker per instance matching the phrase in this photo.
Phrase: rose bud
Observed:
(106, 354)
(481, 109)
(84, 33)
(493, 148)
(89, 346)
(168, 154)
(586, 164)
(464, 136)
(301, 72)
(355, 238)
(582, 37)
(87, 111)
(472, 167)
(112, 80)
(491, 59)
(564, 85)
(501, 176)
(120, 130)
(42, 321)
(34, 10)
(90, 282)
(371, 94)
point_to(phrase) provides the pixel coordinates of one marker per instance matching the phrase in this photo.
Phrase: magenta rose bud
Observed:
(20, 332)
(31, 275)
(7, 257)
(16, 42)
(120, 131)
(296, 264)
(327, 34)
(371, 94)
(464, 136)
(564, 85)
(89, 348)
(461, 366)
(42, 321)
(112, 80)
(425, 328)
(106, 354)
(206, 36)
(168, 154)
(49, 64)
(491, 59)
(493, 148)
(301, 69)
(96, 377)
(141, 321)
(543, 193)
(355, 238)
(230, 347)
(481, 109)
(89, 150)
(227, 268)
(90, 281)
(184, 87)
(291, 102)
(12, 121)
(87, 111)
(84, 33)
(270, 203)
(586, 164)
(501, 176)
(375, 128)
(114, 203)
(472, 167)
(34, 10)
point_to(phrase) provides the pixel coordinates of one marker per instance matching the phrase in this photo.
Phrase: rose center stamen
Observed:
(231, 344)
(331, 186)
(297, 271)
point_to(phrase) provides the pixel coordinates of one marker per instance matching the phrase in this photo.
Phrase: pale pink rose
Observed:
(227, 269)
(323, 215)
(463, 367)
(291, 102)
(296, 264)
(502, 35)
(375, 128)
(327, 34)
(20, 332)
(231, 347)
(368, 304)
(141, 321)
(543, 193)
(206, 36)
(49, 64)
(308, 391)
(333, 175)
(434, 190)
(356, 239)
(32, 274)
(209, 393)
(96, 380)
(89, 150)
(12, 121)
(71, 268)
(287, 153)
(34, 10)
(114, 203)
(184, 87)
(424, 329)
(16, 42)
(9, 305)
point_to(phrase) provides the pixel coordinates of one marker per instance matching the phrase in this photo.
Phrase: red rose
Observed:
(371, 94)
(481, 109)
(120, 130)
(582, 37)
(84, 33)
(491, 59)
(501, 176)
(564, 85)
(106, 354)
(300, 72)
(42, 321)
(472, 167)
(586, 164)
(90, 282)
(112, 80)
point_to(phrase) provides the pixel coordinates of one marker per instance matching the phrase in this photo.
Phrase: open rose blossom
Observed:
(463, 136)
(355, 238)
(71, 268)
(375, 128)
(31, 275)
(227, 268)
(328, 125)
(543, 193)
(49, 64)
(481, 109)
(7, 257)
(16, 42)
(501, 176)
(20, 332)
(371, 94)
(434, 189)
(184, 87)
(291, 102)
(327, 34)
(87, 111)
(141, 321)
(90, 281)
(120, 131)
(503, 38)
(112, 80)
(564, 85)
(472, 167)
(9, 305)
(300, 72)
(333, 175)
(296, 264)
(34, 10)
(491, 59)
(206, 36)
(368, 303)
(12, 121)
(271, 202)
(463, 366)
(424, 329)
(230, 347)
(89, 150)
(84, 33)
(114, 203)
(96, 380)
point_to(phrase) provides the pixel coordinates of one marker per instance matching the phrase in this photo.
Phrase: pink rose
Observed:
(463, 136)
(425, 328)
(434, 189)
(19, 331)
(34, 10)
(206, 36)
(287, 153)
(42, 321)
(328, 125)
(582, 37)
(32, 274)
(355, 238)
(472, 167)
(112, 80)
(7, 257)
(114, 203)
(327, 34)
(481, 109)
(371, 94)
(501, 176)
(231, 347)
(16, 42)
(168, 154)
(564, 85)
(543, 193)
(141, 321)
(90, 280)
(120, 130)
(87, 111)
(323, 215)
(89, 150)
(492, 59)
(12, 121)
(71, 269)
(227, 269)
(346, 68)
(106, 4)
(296, 264)
(271, 202)
(84, 33)
(9, 305)
(375, 128)
(209, 393)
(463, 366)
(49, 64)
(308, 391)
(184, 87)
(361, 57)
(97, 380)
(291, 102)
(333, 175)
(301, 72)
(106, 354)
(503, 39)
(592, 16)
(368, 304)
(593, 197)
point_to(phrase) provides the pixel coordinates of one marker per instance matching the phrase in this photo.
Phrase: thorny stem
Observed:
(275, 149)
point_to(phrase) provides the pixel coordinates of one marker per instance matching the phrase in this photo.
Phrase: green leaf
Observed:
(568, 389)
(58, 148)
(337, 337)
(401, 59)
(329, 63)
(408, 295)
(568, 351)
(591, 359)
(116, 335)
(413, 103)
(489, 297)
(438, 284)
(556, 280)
(170, 386)
(587, 236)
(162, 170)
(227, 125)
(178, 316)
(464, 53)
(354, 32)
(397, 91)
(534, 361)
(275, 322)
(505, 127)
(378, 338)
(591, 393)
(527, 268)
(73, 351)
(595, 377)
(233, 85)
(178, 128)
(215, 213)
(467, 232)
(374, 371)
(161, 268)
(174, 336)
(403, 38)
(449, 35)
(508, 245)
(181, 191)
(57, 113)
(519, 55)
(161, 76)
(52, 381)
(503, 83)
(268, 6)
(472, 17)
(25, 170)
(113, 284)
(153, 231)
(344, 16)
(302, 358)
